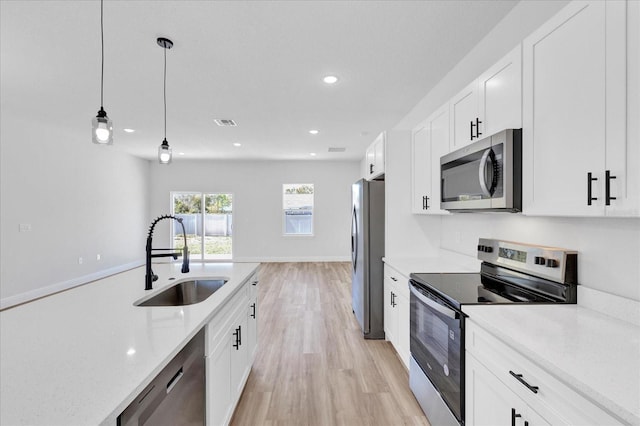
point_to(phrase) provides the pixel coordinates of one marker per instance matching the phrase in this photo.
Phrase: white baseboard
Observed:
(265, 259)
(28, 296)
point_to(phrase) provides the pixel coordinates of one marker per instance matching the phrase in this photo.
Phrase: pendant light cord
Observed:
(102, 42)
(165, 93)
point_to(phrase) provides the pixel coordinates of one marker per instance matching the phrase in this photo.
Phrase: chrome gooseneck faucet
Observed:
(150, 277)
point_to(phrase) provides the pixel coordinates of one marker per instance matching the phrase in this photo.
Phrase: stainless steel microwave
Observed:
(485, 175)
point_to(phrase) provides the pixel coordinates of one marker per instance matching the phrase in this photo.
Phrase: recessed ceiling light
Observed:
(313, 154)
(330, 79)
(129, 130)
(313, 132)
(237, 144)
(181, 153)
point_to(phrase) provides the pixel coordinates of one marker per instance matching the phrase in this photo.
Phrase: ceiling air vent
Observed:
(222, 122)
(334, 149)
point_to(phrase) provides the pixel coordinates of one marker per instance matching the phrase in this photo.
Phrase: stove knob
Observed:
(552, 263)
(488, 249)
(480, 247)
(540, 260)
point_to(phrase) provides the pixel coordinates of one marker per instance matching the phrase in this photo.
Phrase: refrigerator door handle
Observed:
(354, 238)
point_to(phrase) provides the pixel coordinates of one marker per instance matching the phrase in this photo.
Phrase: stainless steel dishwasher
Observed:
(177, 395)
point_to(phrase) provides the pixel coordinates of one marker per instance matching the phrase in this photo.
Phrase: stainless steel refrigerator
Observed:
(367, 250)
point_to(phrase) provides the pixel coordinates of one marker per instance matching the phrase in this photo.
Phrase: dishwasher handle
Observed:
(174, 380)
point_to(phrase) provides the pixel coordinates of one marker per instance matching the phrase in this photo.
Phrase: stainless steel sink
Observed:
(185, 293)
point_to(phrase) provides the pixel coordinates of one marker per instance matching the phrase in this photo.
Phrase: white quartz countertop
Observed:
(597, 355)
(443, 261)
(81, 356)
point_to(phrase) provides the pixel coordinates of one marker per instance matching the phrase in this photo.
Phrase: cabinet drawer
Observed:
(546, 394)
(399, 282)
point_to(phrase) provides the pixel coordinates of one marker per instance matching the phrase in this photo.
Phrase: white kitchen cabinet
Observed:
(231, 346)
(430, 141)
(499, 379)
(396, 312)
(375, 158)
(575, 142)
(489, 104)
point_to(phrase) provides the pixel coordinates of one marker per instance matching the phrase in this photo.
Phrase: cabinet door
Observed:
(566, 103)
(379, 148)
(371, 162)
(404, 328)
(464, 112)
(438, 146)
(219, 383)
(239, 356)
(500, 94)
(420, 171)
(252, 329)
(390, 313)
(622, 159)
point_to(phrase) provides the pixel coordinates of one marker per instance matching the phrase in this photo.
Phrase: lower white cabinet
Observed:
(396, 312)
(503, 386)
(231, 347)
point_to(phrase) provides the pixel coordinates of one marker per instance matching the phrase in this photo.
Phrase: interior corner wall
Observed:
(257, 204)
(63, 199)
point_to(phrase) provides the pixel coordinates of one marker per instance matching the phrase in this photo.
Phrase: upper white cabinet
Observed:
(489, 104)
(579, 150)
(430, 141)
(375, 158)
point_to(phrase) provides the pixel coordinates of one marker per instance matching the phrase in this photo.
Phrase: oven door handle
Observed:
(448, 312)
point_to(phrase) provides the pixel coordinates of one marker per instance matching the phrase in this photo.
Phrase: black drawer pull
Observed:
(253, 306)
(514, 416)
(607, 187)
(519, 378)
(590, 180)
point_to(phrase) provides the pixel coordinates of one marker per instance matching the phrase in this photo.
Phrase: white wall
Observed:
(80, 200)
(609, 249)
(257, 204)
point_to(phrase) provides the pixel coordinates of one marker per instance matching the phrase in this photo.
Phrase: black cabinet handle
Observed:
(370, 168)
(478, 123)
(607, 187)
(394, 278)
(253, 306)
(472, 125)
(514, 416)
(519, 378)
(424, 202)
(254, 283)
(590, 180)
(393, 299)
(237, 334)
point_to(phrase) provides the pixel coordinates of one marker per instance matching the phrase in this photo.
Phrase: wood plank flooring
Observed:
(313, 367)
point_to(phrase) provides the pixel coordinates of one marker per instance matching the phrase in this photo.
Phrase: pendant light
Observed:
(102, 126)
(164, 150)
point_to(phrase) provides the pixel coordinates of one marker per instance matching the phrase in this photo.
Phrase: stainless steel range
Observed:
(510, 273)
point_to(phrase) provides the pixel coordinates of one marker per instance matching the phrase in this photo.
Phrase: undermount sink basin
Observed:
(185, 293)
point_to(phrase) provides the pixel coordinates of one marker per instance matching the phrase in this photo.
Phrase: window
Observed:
(209, 235)
(297, 205)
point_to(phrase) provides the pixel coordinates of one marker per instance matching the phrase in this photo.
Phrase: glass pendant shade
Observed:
(102, 128)
(164, 153)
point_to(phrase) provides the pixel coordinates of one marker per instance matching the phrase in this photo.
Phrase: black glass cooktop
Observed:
(494, 285)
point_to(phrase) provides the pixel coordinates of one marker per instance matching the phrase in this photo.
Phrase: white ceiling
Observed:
(259, 63)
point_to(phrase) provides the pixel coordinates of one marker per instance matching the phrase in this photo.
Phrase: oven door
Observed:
(437, 345)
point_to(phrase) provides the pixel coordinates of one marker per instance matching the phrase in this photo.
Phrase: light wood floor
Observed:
(313, 367)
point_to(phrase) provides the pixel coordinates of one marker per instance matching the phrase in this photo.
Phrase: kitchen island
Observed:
(81, 356)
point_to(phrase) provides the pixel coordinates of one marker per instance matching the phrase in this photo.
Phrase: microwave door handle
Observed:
(433, 304)
(481, 173)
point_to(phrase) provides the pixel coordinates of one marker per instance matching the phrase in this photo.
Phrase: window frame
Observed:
(284, 215)
(202, 194)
